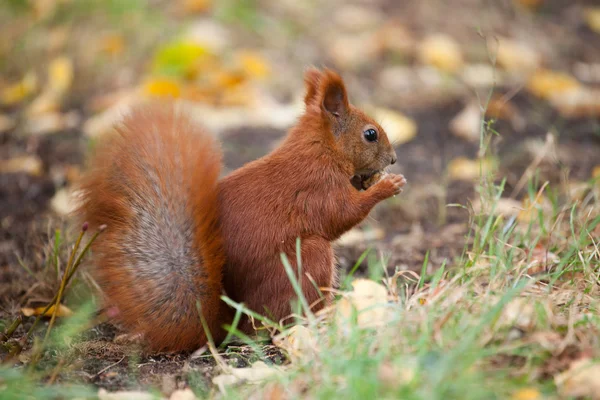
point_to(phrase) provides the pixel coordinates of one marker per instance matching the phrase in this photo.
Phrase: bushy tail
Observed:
(154, 184)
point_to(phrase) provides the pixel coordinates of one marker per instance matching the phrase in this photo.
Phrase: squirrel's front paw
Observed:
(390, 185)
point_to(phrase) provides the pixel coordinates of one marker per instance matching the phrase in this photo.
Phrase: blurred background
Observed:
(428, 70)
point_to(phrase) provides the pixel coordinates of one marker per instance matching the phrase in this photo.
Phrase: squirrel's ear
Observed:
(312, 78)
(333, 92)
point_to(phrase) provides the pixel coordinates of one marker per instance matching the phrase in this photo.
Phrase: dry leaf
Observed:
(541, 260)
(112, 44)
(442, 52)
(253, 64)
(467, 124)
(6, 123)
(64, 202)
(596, 172)
(399, 128)
(258, 372)
(531, 209)
(356, 236)
(63, 311)
(125, 395)
(368, 300)
(462, 168)
(505, 207)
(526, 394)
(592, 18)
(356, 50)
(31, 165)
(577, 103)
(298, 342)
(196, 6)
(183, 394)
(580, 380)
(519, 313)
(546, 84)
(19, 91)
(516, 56)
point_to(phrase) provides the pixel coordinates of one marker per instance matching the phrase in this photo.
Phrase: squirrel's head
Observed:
(359, 140)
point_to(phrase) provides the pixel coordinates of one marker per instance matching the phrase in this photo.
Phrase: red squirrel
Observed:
(178, 235)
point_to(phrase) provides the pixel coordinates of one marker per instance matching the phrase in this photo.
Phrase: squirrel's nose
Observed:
(394, 158)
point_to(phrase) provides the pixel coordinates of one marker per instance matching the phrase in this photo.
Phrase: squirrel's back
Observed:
(154, 185)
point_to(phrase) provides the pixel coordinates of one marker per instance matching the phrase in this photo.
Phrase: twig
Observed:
(103, 370)
(11, 329)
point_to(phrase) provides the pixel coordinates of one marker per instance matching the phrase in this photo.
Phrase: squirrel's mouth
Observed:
(363, 180)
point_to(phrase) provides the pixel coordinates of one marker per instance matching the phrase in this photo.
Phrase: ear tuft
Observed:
(333, 93)
(312, 79)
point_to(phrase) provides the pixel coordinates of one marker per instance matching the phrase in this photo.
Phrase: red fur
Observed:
(240, 225)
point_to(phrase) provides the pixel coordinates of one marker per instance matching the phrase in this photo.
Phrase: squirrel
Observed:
(179, 235)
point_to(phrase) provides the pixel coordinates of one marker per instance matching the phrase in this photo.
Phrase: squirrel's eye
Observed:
(370, 135)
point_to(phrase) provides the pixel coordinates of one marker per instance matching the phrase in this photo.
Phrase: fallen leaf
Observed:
(125, 395)
(162, 88)
(178, 58)
(356, 236)
(480, 76)
(541, 260)
(183, 394)
(596, 172)
(64, 202)
(63, 311)
(517, 56)
(577, 103)
(196, 6)
(580, 380)
(355, 18)
(354, 50)
(31, 165)
(368, 300)
(60, 75)
(467, 124)
(521, 313)
(253, 64)
(504, 206)
(546, 84)
(526, 394)
(299, 342)
(6, 123)
(399, 128)
(17, 92)
(442, 52)
(592, 18)
(258, 372)
(530, 4)
(112, 44)
(462, 168)
(531, 209)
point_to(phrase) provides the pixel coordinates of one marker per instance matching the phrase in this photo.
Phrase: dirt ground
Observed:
(418, 223)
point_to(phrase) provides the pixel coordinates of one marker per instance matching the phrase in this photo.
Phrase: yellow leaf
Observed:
(462, 168)
(546, 84)
(60, 75)
(298, 341)
(368, 300)
(16, 93)
(253, 64)
(596, 172)
(398, 127)
(527, 394)
(442, 52)
(63, 311)
(592, 18)
(196, 6)
(162, 88)
(31, 165)
(113, 44)
(179, 58)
